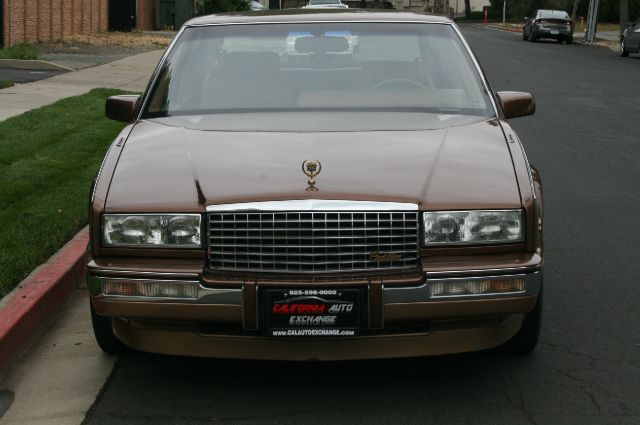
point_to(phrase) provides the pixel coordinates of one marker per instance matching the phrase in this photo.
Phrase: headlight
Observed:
(473, 227)
(152, 230)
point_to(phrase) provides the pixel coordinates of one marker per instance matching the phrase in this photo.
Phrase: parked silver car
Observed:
(325, 4)
(554, 24)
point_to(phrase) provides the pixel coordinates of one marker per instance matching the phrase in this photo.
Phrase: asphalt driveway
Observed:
(19, 76)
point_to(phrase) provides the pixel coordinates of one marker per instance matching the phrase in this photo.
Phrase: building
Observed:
(451, 8)
(32, 21)
(147, 15)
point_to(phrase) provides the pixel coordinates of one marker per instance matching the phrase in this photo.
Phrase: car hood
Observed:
(173, 168)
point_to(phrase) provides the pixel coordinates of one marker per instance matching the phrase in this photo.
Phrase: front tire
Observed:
(106, 339)
(623, 49)
(526, 339)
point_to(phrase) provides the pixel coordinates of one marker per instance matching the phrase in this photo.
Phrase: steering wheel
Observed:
(399, 82)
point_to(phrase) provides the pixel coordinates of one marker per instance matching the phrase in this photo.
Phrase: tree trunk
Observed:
(467, 8)
(624, 15)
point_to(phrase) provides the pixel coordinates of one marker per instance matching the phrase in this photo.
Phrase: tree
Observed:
(624, 15)
(467, 8)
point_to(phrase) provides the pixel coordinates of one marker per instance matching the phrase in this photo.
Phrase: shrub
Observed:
(22, 51)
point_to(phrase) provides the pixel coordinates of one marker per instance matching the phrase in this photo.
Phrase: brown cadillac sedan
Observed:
(333, 185)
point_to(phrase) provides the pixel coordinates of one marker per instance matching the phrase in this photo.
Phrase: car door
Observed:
(633, 37)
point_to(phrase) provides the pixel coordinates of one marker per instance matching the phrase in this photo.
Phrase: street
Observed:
(584, 141)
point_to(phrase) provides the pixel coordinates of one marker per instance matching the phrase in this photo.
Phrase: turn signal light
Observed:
(151, 289)
(456, 288)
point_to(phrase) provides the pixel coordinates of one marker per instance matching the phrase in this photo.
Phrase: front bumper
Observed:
(402, 320)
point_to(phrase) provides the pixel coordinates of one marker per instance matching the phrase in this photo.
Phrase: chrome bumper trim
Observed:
(390, 295)
(92, 267)
(221, 296)
(415, 294)
(486, 272)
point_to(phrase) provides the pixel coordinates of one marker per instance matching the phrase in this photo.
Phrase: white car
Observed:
(254, 6)
(325, 4)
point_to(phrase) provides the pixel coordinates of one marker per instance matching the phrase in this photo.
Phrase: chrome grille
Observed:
(312, 242)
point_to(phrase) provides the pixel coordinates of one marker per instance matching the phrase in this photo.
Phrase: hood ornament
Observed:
(311, 169)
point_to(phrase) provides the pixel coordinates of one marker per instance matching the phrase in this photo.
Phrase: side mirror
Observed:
(516, 104)
(122, 108)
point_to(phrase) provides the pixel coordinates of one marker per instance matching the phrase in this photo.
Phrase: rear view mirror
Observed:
(516, 104)
(122, 107)
(322, 44)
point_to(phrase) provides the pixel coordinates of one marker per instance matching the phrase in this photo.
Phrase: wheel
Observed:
(526, 339)
(569, 40)
(531, 37)
(559, 41)
(105, 337)
(524, 35)
(399, 82)
(623, 49)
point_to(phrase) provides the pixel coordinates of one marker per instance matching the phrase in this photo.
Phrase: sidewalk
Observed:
(131, 73)
(612, 36)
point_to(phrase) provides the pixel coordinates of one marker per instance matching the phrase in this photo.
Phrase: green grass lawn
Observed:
(48, 157)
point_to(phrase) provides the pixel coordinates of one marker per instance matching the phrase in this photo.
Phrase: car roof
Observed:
(306, 15)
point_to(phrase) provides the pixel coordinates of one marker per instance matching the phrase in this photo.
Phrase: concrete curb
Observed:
(33, 65)
(600, 42)
(496, 27)
(39, 296)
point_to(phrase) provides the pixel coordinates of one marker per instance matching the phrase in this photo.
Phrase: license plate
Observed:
(554, 32)
(312, 312)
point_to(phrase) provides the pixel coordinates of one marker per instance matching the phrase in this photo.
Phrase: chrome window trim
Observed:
(156, 73)
(315, 205)
(320, 21)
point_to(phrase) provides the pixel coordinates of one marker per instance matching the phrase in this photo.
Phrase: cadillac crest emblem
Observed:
(311, 169)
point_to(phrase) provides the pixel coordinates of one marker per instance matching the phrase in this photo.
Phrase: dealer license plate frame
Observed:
(310, 318)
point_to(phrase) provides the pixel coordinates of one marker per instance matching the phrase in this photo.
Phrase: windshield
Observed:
(318, 66)
(313, 2)
(554, 14)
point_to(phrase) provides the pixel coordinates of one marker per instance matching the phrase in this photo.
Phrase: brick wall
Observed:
(29, 21)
